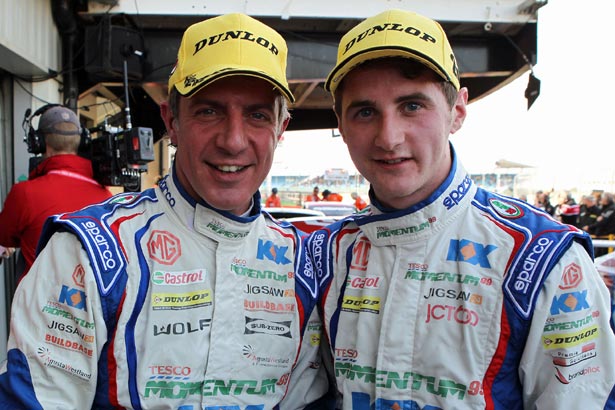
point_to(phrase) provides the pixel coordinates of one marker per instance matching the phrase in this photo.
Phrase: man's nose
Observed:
(390, 133)
(234, 138)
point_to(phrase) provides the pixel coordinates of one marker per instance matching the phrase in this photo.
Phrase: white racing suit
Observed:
(154, 301)
(467, 300)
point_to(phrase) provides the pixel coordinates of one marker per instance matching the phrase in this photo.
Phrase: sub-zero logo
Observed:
(275, 253)
(449, 313)
(474, 253)
(164, 247)
(268, 327)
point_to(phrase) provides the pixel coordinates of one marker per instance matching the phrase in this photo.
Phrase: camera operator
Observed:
(61, 182)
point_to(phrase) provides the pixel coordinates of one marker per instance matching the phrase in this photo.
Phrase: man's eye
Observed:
(411, 106)
(365, 112)
(206, 111)
(259, 116)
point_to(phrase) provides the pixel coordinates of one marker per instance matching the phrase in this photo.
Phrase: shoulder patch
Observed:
(505, 209)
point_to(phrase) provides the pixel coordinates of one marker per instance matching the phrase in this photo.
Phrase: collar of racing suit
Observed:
(204, 218)
(386, 227)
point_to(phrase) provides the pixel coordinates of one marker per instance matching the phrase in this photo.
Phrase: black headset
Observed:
(35, 139)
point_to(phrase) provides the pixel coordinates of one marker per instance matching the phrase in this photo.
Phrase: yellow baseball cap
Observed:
(231, 44)
(395, 33)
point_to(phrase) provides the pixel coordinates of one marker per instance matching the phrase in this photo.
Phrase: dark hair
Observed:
(409, 69)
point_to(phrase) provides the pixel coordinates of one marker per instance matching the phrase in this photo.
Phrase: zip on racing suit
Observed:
(154, 301)
(467, 300)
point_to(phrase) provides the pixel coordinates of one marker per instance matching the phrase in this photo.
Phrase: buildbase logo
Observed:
(164, 247)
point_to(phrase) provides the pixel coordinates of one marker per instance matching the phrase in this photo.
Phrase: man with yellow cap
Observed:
(184, 296)
(444, 295)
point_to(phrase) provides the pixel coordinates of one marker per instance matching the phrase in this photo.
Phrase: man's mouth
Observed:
(229, 168)
(392, 161)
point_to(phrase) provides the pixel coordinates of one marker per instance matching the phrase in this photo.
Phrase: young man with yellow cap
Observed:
(184, 296)
(444, 295)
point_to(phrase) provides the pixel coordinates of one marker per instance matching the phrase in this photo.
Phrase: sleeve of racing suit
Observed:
(308, 383)
(56, 333)
(569, 358)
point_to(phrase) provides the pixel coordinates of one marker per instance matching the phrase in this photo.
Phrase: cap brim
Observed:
(226, 71)
(340, 71)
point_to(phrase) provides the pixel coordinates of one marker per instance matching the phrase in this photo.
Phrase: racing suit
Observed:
(155, 301)
(467, 300)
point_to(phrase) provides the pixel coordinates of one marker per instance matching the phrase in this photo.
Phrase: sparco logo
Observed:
(525, 277)
(317, 253)
(458, 193)
(164, 247)
(102, 245)
(164, 187)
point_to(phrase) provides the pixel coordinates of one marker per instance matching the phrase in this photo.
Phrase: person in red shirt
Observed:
(314, 197)
(62, 182)
(273, 201)
(359, 203)
(331, 196)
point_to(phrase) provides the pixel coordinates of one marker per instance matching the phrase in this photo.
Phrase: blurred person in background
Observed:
(588, 211)
(542, 201)
(567, 210)
(62, 182)
(331, 196)
(359, 202)
(605, 222)
(273, 200)
(313, 197)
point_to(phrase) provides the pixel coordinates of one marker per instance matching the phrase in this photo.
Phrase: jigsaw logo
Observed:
(474, 253)
(267, 250)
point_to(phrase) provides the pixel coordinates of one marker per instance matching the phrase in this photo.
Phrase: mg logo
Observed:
(572, 277)
(164, 247)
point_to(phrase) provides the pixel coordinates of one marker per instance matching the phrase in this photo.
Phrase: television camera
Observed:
(119, 156)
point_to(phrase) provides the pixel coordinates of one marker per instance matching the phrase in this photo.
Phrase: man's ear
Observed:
(460, 110)
(169, 121)
(339, 126)
(283, 127)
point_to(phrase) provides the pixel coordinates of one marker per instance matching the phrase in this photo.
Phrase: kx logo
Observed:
(73, 297)
(463, 250)
(266, 249)
(569, 302)
(360, 401)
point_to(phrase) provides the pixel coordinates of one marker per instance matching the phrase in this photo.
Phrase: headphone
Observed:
(35, 139)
